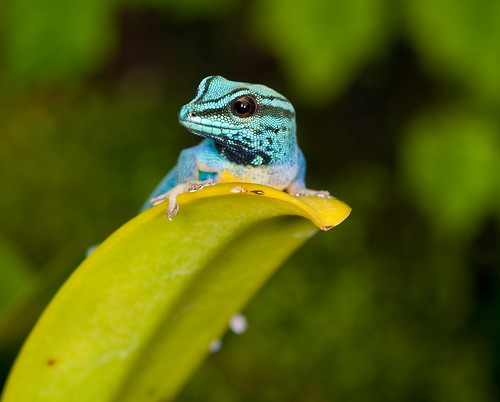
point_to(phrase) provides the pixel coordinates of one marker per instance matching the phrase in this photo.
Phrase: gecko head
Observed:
(250, 124)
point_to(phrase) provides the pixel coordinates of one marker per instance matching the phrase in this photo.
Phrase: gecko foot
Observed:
(171, 196)
(313, 193)
(172, 210)
(159, 199)
(198, 185)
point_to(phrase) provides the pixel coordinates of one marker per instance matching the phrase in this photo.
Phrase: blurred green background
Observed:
(398, 115)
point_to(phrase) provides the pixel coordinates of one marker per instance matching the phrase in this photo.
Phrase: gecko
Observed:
(249, 135)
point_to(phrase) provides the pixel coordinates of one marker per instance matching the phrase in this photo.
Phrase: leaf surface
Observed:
(137, 317)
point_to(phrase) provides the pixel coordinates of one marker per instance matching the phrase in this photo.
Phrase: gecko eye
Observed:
(244, 106)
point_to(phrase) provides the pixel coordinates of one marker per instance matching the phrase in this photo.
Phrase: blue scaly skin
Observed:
(249, 136)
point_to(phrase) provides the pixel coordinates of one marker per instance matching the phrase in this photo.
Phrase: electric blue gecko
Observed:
(249, 133)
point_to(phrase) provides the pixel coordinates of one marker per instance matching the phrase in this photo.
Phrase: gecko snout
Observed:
(186, 113)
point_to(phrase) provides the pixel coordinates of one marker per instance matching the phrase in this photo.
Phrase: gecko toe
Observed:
(172, 211)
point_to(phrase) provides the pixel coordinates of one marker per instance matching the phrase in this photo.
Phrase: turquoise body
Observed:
(249, 133)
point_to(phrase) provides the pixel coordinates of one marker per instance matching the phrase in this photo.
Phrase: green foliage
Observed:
(14, 273)
(52, 41)
(449, 158)
(322, 44)
(459, 40)
(192, 9)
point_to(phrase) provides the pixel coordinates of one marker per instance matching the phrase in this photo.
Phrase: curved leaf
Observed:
(137, 317)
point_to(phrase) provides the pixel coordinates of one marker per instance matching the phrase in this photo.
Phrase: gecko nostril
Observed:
(192, 114)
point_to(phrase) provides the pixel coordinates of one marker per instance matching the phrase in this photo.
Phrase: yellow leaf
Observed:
(137, 317)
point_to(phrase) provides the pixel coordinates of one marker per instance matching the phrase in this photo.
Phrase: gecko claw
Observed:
(172, 211)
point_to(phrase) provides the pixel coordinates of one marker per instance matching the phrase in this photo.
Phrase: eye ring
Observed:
(244, 106)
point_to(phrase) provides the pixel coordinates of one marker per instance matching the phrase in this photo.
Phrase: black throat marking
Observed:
(240, 155)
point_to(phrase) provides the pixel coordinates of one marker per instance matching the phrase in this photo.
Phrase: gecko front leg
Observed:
(298, 187)
(171, 195)
(185, 177)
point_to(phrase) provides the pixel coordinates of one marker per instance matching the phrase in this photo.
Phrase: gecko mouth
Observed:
(211, 130)
(237, 150)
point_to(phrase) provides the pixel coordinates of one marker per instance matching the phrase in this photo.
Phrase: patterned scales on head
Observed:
(250, 124)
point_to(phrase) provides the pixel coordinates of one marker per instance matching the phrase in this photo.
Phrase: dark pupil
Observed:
(244, 106)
